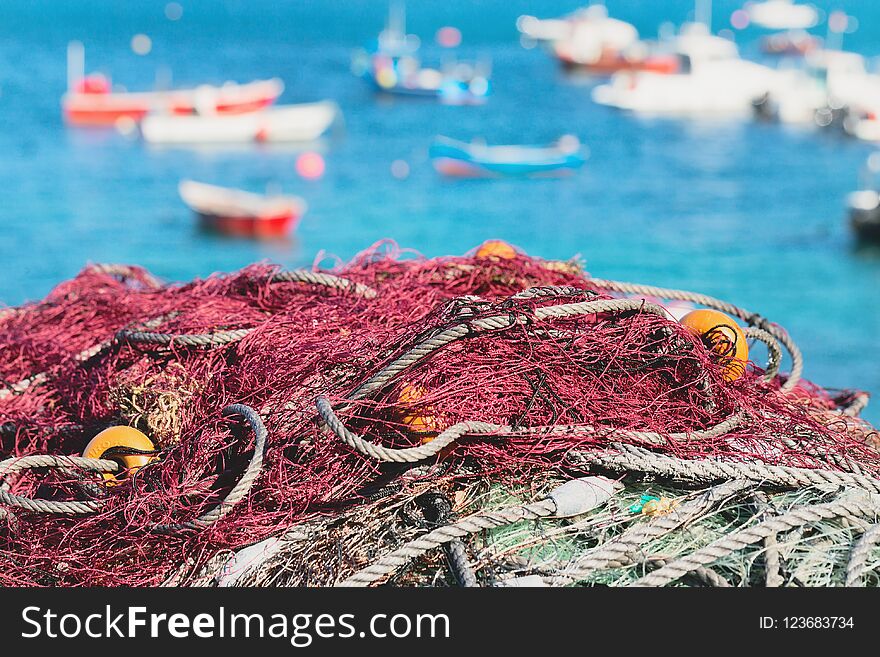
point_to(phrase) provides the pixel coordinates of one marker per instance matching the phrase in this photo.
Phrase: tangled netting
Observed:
(401, 419)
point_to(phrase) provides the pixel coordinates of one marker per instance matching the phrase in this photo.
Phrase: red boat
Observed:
(790, 43)
(611, 61)
(90, 100)
(241, 214)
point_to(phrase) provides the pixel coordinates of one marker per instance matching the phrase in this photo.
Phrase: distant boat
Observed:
(241, 214)
(863, 205)
(793, 42)
(782, 15)
(391, 66)
(833, 87)
(474, 160)
(712, 80)
(90, 100)
(864, 215)
(284, 123)
(601, 45)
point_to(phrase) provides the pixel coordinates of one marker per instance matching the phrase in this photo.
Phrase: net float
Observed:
(122, 444)
(427, 425)
(723, 336)
(496, 249)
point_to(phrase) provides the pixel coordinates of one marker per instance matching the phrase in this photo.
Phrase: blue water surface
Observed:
(749, 212)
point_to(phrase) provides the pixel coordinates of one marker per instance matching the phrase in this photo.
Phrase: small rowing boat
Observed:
(241, 214)
(474, 160)
(286, 123)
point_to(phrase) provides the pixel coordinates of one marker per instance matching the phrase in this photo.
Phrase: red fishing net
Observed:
(553, 385)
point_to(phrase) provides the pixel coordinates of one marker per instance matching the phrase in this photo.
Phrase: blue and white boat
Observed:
(478, 160)
(391, 65)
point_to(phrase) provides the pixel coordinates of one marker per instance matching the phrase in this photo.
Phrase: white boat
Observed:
(712, 80)
(283, 123)
(590, 23)
(782, 15)
(830, 79)
(241, 214)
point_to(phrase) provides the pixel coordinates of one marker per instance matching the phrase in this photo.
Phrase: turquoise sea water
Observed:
(751, 213)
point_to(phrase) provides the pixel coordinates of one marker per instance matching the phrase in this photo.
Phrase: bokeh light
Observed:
(310, 165)
(173, 11)
(449, 37)
(141, 44)
(400, 169)
(740, 19)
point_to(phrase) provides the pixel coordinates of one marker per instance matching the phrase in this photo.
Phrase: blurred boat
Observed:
(863, 206)
(864, 215)
(391, 66)
(712, 79)
(241, 214)
(284, 123)
(833, 87)
(601, 45)
(90, 100)
(588, 40)
(475, 160)
(781, 15)
(792, 42)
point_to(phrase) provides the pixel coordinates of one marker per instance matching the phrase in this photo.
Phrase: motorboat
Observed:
(238, 213)
(832, 83)
(712, 79)
(476, 159)
(588, 40)
(602, 45)
(282, 123)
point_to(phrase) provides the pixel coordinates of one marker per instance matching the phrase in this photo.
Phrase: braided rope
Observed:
(81, 357)
(772, 560)
(775, 351)
(705, 575)
(856, 506)
(623, 551)
(862, 548)
(476, 428)
(857, 405)
(216, 339)
(327, 280)
(244, 485)
(631, 458)
(753, 319)
(17, 465)
(213, 339)
(391, 562)
(495, 323)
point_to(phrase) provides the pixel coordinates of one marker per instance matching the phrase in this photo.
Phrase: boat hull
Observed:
(249, 227)
(291, 123)
(865, 224)
(461, 160)
(609, 64)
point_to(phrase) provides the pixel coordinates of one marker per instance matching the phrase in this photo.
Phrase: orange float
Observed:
(496, 249)
(423, 424)
(723, 336)
(120, 438)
